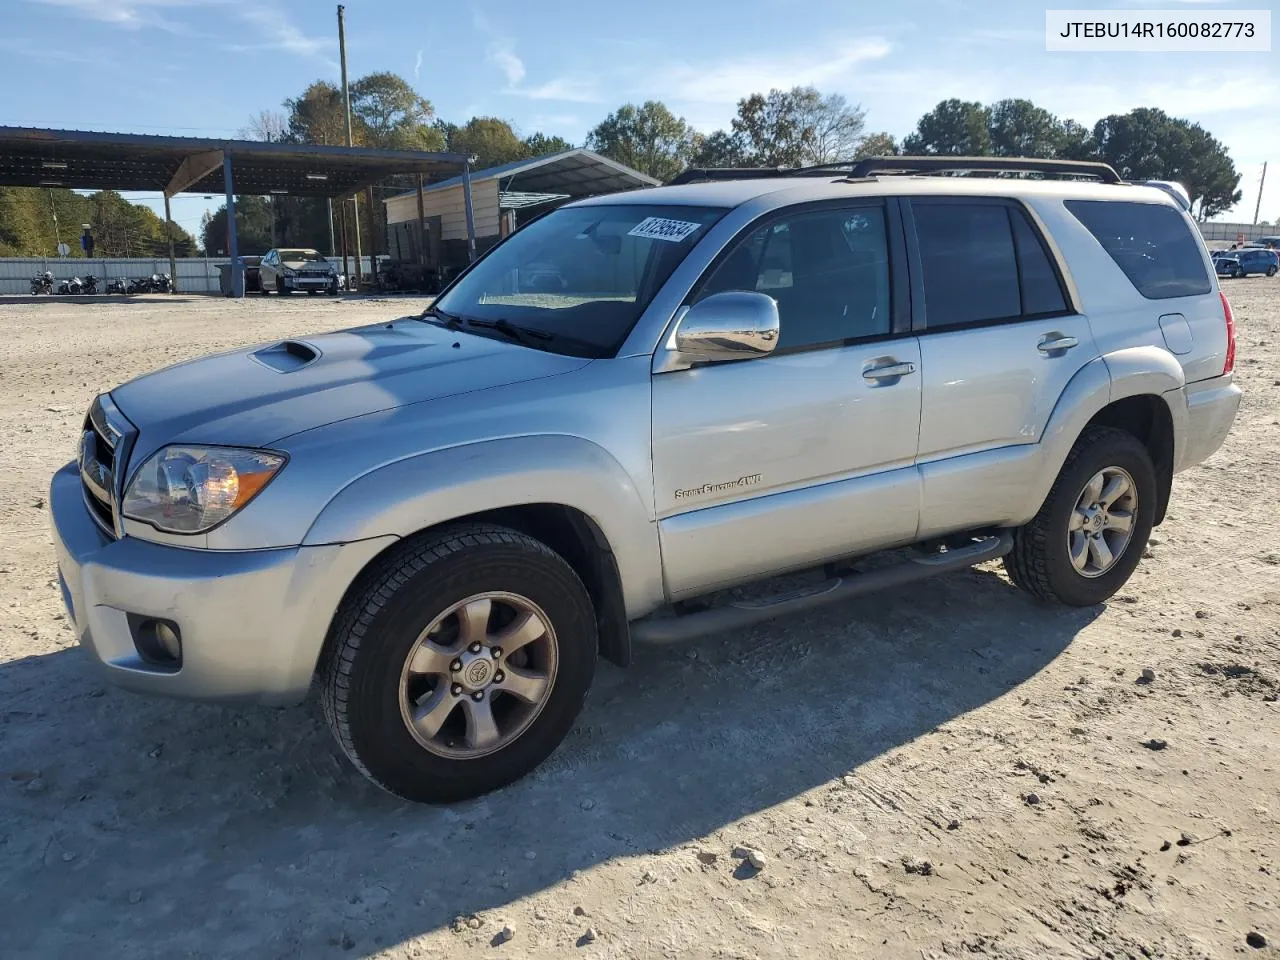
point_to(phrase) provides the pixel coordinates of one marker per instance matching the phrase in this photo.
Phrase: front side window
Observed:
(827, 269)
(1151, 242)
(578, 279)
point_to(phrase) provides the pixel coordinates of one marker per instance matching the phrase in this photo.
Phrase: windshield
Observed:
(311, 255)
(579, 277)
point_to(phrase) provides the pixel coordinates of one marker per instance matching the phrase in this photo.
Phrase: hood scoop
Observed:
(287, 356)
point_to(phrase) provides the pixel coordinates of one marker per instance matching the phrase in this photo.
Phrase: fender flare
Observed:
(1128, 372)
(407, 496)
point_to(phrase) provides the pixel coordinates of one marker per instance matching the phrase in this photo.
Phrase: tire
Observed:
(312, 293)
(281, 288)
(376, 635)
(1040, 562)
(1238, 273)
(1271, 271)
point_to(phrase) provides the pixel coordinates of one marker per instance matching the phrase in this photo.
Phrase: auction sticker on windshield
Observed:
(660, 228)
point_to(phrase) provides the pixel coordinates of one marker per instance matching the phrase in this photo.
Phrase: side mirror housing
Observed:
(734, 325)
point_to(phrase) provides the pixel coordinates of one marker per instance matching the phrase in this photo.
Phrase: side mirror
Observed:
(733, 325)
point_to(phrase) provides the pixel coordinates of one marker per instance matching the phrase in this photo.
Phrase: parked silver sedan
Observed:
(287, 270)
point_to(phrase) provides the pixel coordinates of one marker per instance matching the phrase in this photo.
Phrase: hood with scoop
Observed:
(254, 396)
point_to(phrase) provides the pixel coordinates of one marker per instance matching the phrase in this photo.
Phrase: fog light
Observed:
(157, 641)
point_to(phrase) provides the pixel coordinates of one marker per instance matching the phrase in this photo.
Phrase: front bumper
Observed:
(252, 622)
(310, 283)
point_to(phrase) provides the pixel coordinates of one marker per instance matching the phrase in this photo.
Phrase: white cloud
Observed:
(417, 64)
(728, 81)
(504, 58)
(283, 34)
(501, 53)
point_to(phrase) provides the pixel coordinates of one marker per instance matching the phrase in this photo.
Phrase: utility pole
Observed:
(346, 116)
(1258, 209)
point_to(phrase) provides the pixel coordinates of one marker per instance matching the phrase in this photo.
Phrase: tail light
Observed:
(1231, 334)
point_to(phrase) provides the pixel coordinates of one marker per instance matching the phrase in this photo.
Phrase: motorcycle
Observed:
(90, 284)
(42, 283)
(160, 283)
(118, 285)
(73, 287)
(140, 285)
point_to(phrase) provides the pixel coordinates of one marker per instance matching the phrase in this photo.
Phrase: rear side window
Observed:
(982, 262)
(1150, 242)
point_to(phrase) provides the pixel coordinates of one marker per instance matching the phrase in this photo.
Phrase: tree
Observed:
(831, 128)
(648, 138)
(952, 128)
(490, 140)
(770, 128)
(540, 144)
(797, 127)
(316, 116)
(268, 125)
(120, 228)
(720, 149)
(253, 228)
(1076, 142)
(392, 114)
(1148, 144)
(875, 145)
(1018, 128)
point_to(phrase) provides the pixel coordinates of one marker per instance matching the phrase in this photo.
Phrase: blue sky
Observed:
(203, 67)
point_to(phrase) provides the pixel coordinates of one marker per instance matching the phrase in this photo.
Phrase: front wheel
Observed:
(1089, 535)
(1271, 270)
(459, 663)
(281, 288)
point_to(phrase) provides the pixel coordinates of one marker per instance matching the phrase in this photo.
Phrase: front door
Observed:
(808, 454)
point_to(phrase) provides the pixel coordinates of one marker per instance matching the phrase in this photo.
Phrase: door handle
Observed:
(888, 371)
(1056, 343)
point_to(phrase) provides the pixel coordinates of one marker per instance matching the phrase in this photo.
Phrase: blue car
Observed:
(1241, 263)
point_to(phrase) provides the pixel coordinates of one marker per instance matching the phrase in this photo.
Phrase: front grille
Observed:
(104, 449)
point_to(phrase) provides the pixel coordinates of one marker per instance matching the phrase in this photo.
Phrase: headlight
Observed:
(193, 489)
(288, 271)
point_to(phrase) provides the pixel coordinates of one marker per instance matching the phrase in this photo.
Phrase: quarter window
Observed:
(1151, 242)
(827, 269)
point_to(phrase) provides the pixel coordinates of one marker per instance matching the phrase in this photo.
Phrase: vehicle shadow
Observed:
(162, 829)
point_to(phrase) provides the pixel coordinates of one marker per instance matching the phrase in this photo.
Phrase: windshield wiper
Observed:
(508, 329)
(449, 320)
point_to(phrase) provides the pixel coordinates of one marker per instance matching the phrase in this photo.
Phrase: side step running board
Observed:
(745, 613)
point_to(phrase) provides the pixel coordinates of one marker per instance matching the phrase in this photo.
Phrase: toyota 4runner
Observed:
(629, 405)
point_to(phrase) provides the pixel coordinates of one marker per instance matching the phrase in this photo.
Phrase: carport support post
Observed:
(422, 227)
(373, 237)
(173, 263)
(471, 216)
(233, 246)
(333, 247)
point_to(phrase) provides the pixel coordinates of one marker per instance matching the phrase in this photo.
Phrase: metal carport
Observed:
(91, 160)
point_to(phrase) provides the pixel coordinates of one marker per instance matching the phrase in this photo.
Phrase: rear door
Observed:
(999, 341)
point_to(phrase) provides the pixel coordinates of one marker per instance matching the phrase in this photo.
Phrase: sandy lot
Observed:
(946, 772)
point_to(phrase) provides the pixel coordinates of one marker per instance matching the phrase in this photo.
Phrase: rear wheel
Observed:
(460, 664)
(1271, 270)
(1089, 535)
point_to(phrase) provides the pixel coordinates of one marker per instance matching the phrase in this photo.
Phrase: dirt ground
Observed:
(950, 771)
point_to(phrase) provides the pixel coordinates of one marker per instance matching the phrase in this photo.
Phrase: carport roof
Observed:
(91, 160)
(570, 173)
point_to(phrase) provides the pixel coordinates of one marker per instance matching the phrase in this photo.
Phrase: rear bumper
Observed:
(252, 623)
(1211, 410)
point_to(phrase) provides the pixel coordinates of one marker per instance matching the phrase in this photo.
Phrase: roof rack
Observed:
(861, 169)
(1075, 168)
(699, 174)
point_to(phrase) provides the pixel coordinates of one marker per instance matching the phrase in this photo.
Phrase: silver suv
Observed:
(631, 404)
